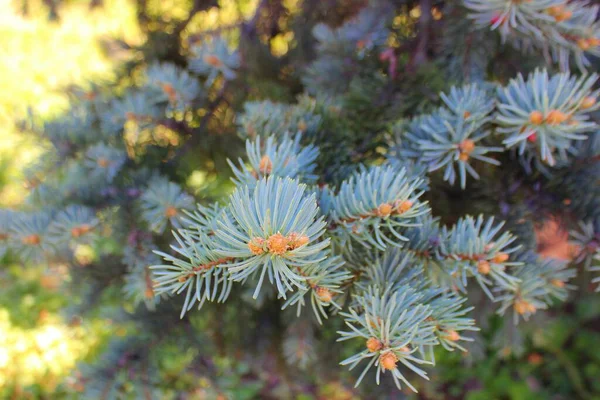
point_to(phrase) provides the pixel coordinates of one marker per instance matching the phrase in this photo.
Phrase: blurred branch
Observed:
(197, 137)
(420, 52)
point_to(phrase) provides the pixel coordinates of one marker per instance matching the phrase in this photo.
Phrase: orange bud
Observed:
(130, 116)
(556, 10)
(32, 240)
(588, 102)
(374, 344)
(266, 165)
(466, 114)
(324, 294)
(564, 16)
(558, 283)
(149, 293)
(256, 246)
(277, 244)
(403, 206)
(213, 60)
(535, 359)
(463, 157)
(302, 126)
(500, 258)
(522, 307)
(102, 162)
(170, 212)
(483, 267)
(452, 335)
(556, 117)
(296, 240)
(384, 210)
(583, 44)
(388, 360)
(467, 146)
(536, 117)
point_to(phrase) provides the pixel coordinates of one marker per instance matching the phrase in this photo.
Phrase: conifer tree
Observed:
(372, 181)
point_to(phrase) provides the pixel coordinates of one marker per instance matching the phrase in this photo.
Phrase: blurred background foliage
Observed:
(49, 46)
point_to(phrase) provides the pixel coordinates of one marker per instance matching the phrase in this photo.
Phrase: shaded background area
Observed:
(48, 47)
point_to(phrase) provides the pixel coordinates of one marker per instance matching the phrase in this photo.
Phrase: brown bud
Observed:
(463, 157)
(388, 360)
(374, 344)
(466, 114)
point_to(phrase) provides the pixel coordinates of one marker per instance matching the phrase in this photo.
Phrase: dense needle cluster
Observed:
(371, 196)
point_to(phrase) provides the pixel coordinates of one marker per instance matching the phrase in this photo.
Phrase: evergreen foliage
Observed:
(344, 198)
